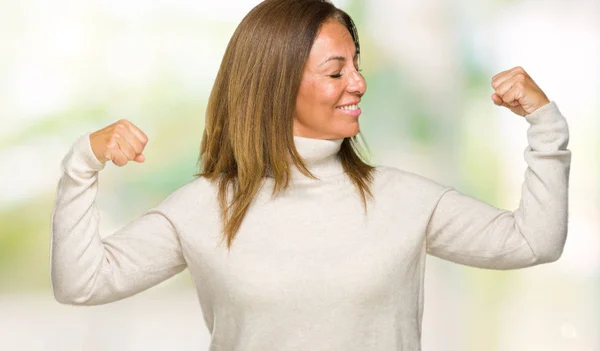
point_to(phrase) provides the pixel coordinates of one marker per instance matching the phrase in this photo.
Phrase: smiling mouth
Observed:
(348, 107)
(350, 110)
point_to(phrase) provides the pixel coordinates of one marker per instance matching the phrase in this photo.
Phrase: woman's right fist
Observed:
(120, 142)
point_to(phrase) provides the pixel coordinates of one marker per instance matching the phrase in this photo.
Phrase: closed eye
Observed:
(339, 75)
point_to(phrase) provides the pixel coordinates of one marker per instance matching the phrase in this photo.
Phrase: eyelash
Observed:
(339, 75)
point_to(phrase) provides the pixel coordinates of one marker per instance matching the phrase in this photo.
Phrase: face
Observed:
(331, 87)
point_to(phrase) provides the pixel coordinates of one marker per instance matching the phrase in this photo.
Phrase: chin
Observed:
(350, 131)
(341, 132)
(344, 134)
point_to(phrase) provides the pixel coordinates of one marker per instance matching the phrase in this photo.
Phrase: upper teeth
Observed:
(349, 107)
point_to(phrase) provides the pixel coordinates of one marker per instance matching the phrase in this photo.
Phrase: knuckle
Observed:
(142, 136)
(112, 143)
(120, 128)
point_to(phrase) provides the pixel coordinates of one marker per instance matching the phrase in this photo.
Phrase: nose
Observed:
(357, 84)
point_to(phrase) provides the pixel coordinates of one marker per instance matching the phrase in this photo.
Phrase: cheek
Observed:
(316, 101)
(305, 100)
(315, 95)
(325, 96)
(330, 95)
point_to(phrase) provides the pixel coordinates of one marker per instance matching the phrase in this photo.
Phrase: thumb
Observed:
(140, 158)
(497, 99)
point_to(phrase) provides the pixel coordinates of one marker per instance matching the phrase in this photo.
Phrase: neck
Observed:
(320, 156)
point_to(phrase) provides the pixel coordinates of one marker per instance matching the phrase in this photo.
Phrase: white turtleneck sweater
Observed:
(308, 269)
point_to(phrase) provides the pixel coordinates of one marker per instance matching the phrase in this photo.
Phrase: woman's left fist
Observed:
(516, 90)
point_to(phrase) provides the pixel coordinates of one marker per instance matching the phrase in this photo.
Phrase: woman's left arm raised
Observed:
(471, 232)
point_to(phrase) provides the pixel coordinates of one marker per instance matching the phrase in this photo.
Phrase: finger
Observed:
(503, 76)
(107, 156)
(111, 148)
(141, 136)
(118, 157)
(123, 130)
(126, 148)
(517, 80)
(140, 158)
(513, 96)
(500, 74)
(133, 140)
(497, 99)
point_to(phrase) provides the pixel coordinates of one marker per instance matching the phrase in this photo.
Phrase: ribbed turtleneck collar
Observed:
(319, 155)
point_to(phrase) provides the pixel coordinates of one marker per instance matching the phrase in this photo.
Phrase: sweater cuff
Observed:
(544, 114)
(82, 151)
(548, 130)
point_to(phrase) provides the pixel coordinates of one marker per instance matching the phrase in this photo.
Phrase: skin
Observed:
(328, 84)
(119, 142)
(516, 90)
(324, 87)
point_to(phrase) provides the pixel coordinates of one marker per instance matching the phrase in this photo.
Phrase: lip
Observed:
(354, 113)
(350, 103)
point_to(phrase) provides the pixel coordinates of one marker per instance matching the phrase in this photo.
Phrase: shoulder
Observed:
(389, 178)
(388, 173)
(198, 192)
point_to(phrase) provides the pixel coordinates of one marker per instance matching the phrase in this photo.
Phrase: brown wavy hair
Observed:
(249, 118)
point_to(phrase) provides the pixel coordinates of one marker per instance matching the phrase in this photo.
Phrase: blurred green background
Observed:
(71, 67)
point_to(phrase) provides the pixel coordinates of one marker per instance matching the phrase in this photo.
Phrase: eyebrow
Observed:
(337, 58)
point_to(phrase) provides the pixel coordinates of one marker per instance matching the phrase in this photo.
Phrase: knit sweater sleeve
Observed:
(468, 231)
(86, 269)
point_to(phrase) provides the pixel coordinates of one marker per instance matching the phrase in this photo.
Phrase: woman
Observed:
(294, 243)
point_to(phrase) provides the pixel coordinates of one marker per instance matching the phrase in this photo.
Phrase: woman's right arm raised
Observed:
(86, 269)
